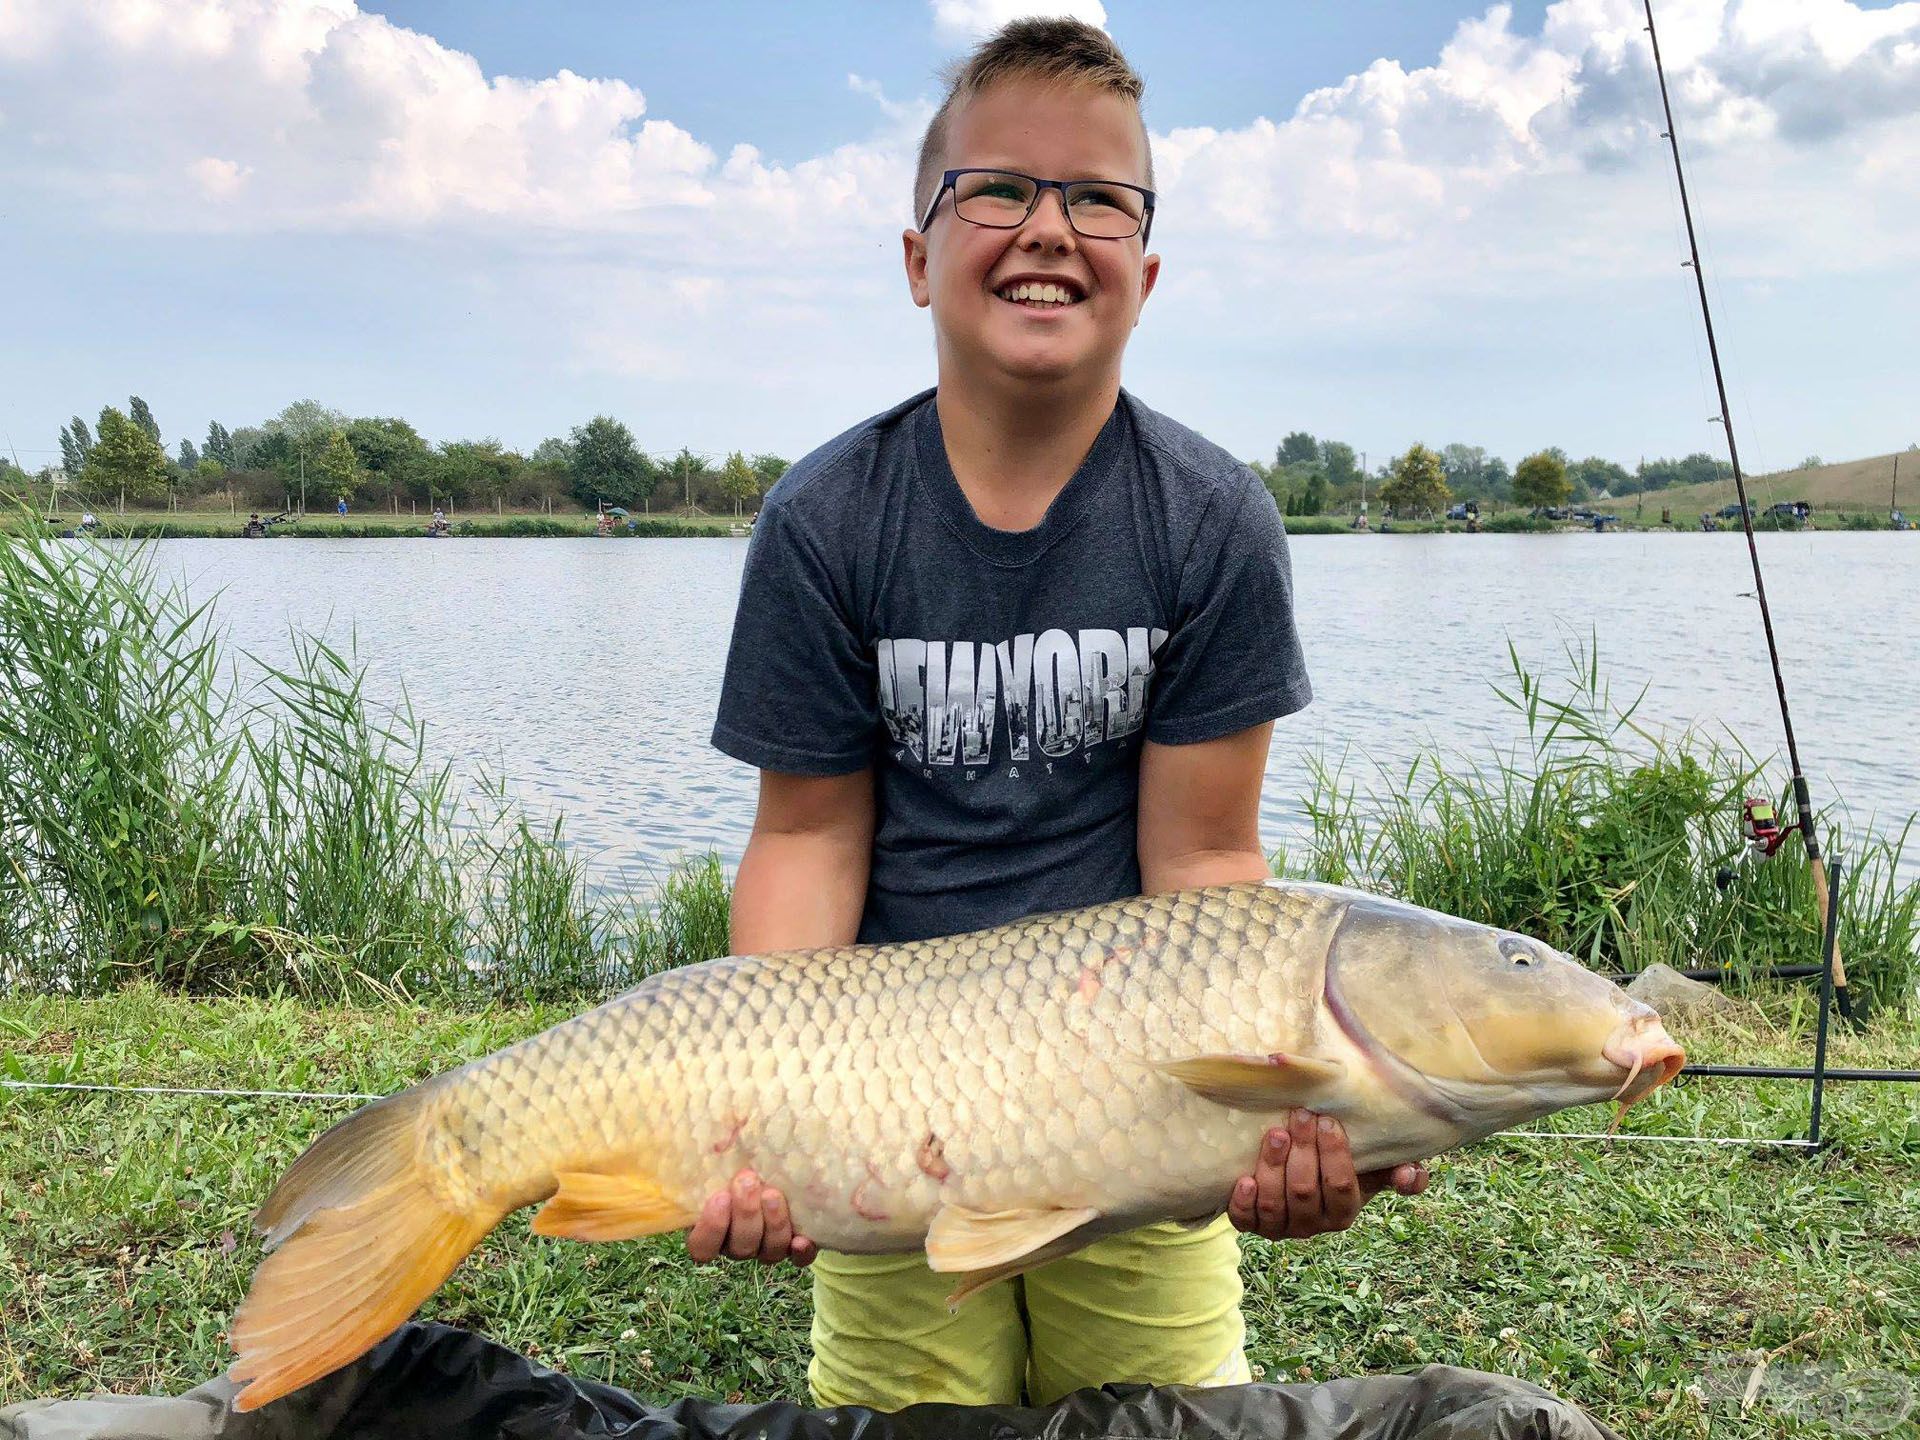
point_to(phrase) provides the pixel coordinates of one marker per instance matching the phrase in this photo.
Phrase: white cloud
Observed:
(218, 179)
(965, 21)
(1515, 168)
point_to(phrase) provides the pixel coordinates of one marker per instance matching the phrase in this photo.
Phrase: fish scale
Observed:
(997, 1098)
(902, 1042)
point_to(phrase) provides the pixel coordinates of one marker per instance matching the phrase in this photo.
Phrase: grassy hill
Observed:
(1857, 485)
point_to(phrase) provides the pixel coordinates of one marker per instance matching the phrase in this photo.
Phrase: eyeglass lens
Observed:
(1002, 201)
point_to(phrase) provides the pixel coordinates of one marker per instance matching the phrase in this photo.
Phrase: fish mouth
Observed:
(1641, 1046)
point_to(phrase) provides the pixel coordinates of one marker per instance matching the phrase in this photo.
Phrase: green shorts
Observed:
(1159, 1305)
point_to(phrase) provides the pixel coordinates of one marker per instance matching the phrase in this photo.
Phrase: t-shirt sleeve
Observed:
(1232, 658)
(799, 692)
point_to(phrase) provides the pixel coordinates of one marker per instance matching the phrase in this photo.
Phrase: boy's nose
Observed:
(1048, 226)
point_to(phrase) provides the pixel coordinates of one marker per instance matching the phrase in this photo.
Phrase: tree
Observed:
(189, 457)
(1540, 480)
(1462, 464)
(305, 426)
(75, 442)
(1299, 448)
(688, 469)
(607, 465)
(390, 453)
(126, 458)
(257, 448)
(1416, 484)
(219, 446)
(738, 482)
(1812, 462)
(769, 468)
(1594, 475)
(466, 469)
(337, 468)
(138, 412)
(1342, 466)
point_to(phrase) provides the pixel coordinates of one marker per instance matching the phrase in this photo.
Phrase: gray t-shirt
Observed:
(999, 682)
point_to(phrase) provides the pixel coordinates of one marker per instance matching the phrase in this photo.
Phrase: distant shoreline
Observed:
(158, 525)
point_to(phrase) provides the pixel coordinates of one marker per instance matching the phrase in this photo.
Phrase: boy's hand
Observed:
(1304, 1183)
(748, 1221)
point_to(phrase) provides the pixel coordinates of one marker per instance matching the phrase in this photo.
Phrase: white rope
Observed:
(346, 1095)
(1659, 1139)
(183, 1090)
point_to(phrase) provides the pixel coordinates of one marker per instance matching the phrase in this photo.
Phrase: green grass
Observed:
(1612, 1275)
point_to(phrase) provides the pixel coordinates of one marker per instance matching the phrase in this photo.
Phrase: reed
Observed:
(1617, 844)
(156, 822)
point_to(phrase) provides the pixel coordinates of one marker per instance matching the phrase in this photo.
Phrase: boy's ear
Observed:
(1149, 273)
(915, 253)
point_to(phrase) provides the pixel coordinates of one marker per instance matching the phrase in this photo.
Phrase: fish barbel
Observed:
(998, 1098)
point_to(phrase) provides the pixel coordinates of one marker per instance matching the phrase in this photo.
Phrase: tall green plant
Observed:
(1609, 841)
(114, 783)
(297, 838)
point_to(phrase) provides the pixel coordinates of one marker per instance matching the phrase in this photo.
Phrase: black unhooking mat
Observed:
(432, 1380)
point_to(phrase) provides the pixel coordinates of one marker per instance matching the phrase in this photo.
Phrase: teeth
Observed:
(1044, 294)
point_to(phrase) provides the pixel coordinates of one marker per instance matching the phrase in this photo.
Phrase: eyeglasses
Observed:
(1004, 199)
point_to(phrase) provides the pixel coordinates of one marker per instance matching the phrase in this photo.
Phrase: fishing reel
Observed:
(1760, 828)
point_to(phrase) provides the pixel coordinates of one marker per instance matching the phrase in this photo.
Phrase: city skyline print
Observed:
(1033, 697)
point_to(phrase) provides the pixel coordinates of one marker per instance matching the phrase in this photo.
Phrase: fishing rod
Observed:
(1803, 805)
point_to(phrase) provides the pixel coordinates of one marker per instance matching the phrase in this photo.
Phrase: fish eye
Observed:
(1518, 952)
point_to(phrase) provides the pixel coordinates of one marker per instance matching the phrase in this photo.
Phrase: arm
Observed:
(802, 883)
(803, 878)
(1200, 825)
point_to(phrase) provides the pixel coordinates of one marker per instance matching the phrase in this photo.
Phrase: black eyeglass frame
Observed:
(1040, 187)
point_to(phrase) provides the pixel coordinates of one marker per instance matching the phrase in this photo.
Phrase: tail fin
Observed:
(367, 1238)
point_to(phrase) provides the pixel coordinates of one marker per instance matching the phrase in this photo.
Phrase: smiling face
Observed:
(1038, 305)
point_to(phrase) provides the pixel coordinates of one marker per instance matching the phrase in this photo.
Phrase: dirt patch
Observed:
(48, 1042)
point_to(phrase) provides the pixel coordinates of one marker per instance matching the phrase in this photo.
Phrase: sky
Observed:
(1381, 221)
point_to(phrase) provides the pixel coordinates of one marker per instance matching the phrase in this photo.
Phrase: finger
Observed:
(1270, 1184)
(1411, 1179)
(1304, 1213)
(710, 1230)
(1240, 1206)
(803, 1251)
(743, 1236)
(777, 1242)
(1339, 1186)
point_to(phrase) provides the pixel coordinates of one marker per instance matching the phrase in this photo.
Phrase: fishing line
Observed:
(183, 1090)
(1803, 804)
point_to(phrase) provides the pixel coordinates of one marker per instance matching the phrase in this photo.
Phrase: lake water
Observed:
(586, 673)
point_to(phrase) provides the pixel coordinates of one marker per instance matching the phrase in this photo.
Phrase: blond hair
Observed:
(1056, 49)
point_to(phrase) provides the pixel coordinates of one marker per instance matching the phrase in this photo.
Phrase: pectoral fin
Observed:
(1006, 1241)
(1256, 1082)
(620, 1206)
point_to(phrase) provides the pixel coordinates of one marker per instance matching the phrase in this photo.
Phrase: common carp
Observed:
(998, 1099)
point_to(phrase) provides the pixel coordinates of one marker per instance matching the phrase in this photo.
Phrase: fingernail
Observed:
(1326, 1124)
(1276, 1144)
(1303, 1120)
(1243, 1192)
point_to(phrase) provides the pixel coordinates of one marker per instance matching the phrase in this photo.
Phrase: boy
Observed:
(1013, 646)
